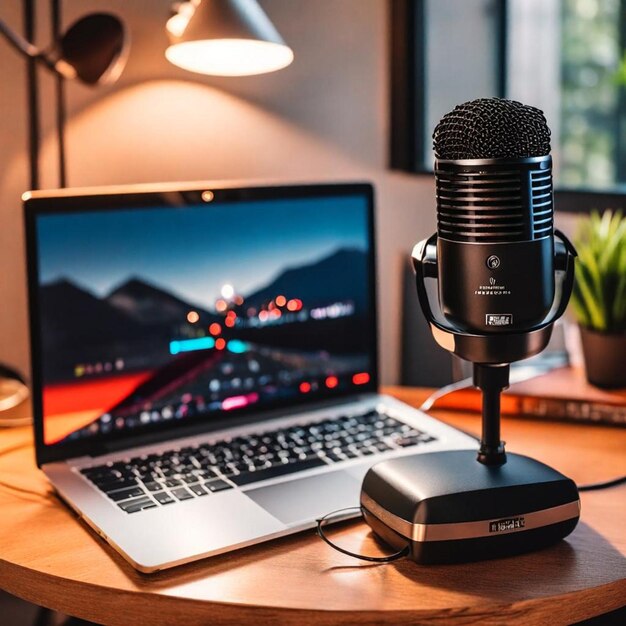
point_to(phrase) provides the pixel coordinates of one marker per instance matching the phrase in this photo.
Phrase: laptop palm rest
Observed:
(305, 499)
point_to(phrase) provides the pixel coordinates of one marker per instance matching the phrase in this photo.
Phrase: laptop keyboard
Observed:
(145, 482)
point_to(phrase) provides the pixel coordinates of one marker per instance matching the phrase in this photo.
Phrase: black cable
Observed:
(373, 559)
(614, 482)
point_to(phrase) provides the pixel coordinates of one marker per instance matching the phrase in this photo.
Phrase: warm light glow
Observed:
(362, 378)
(229, 57)
(177, 24)
(332, 382)
(281, 300)
(215, 328)
(220, 343)
(305, 387)
(228, 291)
(230, 322)
(192, 317)
(221, 305)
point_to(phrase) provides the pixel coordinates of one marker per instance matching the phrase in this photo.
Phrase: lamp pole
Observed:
(32, 88)
(93, 50)
(59, 89)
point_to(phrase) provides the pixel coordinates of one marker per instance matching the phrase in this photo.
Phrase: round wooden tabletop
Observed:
(50, 558)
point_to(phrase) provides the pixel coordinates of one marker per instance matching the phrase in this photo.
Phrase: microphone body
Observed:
(495, 243)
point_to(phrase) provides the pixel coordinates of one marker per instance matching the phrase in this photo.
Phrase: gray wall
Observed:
(323, 118)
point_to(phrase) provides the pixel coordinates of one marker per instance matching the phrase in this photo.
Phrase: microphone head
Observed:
(494, 216)
(492, 128)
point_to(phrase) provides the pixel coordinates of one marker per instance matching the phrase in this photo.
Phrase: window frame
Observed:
(408, 34)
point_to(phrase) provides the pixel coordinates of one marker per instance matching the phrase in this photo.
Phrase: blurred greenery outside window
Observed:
(566, 57)
(593, 80)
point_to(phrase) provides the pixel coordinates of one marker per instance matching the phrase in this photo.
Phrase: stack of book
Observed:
(559, 394)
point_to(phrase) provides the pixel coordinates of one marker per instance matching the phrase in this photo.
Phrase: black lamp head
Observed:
(94, 49)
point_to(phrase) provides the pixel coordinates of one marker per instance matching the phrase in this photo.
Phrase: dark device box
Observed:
(450, 508)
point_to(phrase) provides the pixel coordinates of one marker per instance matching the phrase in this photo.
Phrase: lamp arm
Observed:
(26, 48)
(18, 42)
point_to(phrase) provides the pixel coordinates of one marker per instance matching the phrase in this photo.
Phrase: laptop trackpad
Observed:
(306, 499)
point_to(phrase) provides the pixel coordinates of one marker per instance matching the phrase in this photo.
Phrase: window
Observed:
(564, 56)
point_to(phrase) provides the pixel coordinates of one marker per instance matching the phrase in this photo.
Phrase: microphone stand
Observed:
(492, 380)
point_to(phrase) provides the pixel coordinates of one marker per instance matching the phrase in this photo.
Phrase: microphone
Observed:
(503, 273)
(503, 276)
(495, 240)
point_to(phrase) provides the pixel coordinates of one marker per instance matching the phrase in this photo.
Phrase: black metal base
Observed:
(451, 509)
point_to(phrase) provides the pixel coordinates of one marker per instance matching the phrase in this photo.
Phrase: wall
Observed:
(323, 118)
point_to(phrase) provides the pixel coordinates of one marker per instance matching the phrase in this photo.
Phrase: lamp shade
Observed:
(225, 38)
(94, 49)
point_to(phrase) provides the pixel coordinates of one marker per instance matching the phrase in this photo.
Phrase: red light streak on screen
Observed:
(332, 382)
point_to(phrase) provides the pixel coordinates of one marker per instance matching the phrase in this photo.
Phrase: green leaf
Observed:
(619, 303)
(590, 299)
(599, 296)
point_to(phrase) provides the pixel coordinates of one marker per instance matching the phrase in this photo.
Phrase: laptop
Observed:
(204, 362)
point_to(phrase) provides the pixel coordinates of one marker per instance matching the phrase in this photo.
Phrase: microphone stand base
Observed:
(450, 509)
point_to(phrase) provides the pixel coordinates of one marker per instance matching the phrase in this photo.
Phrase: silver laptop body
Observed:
(171, 444)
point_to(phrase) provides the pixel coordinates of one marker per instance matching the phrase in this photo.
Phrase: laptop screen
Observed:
(164, 314)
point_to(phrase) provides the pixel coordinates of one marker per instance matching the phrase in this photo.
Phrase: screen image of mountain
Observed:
(138, 323)
(133, 323)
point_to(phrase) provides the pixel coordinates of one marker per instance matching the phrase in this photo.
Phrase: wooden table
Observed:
(48, 557)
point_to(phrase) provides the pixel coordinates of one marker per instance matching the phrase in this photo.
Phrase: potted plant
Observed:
(599, 297)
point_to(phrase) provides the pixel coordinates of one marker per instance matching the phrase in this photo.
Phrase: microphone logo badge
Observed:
(507, 525)
(498, 319)
(493, 262)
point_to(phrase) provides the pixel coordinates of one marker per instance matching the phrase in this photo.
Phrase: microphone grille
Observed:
(490, 128)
